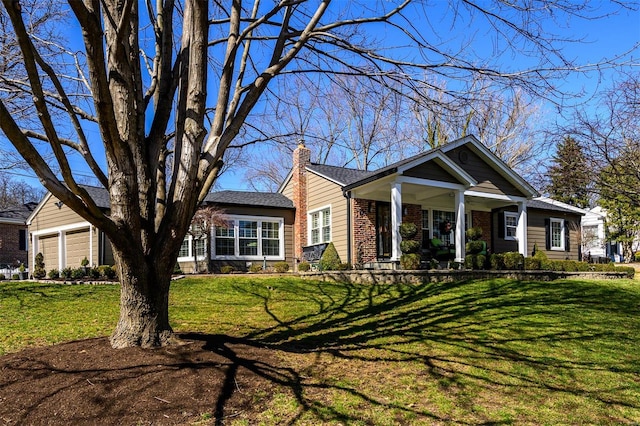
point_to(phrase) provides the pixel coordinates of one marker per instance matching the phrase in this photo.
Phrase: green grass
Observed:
(499, 351)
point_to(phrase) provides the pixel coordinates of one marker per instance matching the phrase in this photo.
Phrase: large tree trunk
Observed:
(144, 302)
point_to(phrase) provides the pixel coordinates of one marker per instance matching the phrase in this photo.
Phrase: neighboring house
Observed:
(13, 236)
(595, 242)
(64, 238)
(462, 183)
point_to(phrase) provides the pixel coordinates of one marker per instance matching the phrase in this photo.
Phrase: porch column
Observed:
(521, 229)
(396, 219)
(62, 255)
(460, 225)
(34, 249)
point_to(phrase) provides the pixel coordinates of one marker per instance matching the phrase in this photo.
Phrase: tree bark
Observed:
(144, 302)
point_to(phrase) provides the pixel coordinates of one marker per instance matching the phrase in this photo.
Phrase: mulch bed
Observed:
(88, 383)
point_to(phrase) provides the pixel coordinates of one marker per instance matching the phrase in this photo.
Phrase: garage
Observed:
(77, 247)
(48, 246)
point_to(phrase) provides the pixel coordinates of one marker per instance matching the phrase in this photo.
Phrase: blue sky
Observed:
(602, 38)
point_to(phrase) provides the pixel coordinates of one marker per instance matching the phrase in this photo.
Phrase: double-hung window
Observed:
(250, 238)
(320, 229)
(557, 234)
(510, 225)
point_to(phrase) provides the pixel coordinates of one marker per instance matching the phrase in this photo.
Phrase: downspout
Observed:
(347, 195)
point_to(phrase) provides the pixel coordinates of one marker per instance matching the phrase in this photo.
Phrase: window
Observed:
(557, 234)
(425, 229)
(250, 238)
(510, 225)
(440, 217)
(191, 244)
(184, 248)
(320, 226)
(225, 241)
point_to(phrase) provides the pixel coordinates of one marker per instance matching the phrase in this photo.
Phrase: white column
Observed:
(521, 230)
(62, 255)
(460, 225)
(35, 248)
(91, 263)
(396, 219)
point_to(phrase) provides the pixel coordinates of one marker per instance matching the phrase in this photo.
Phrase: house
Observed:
(460, 185)
(461, 182)
(13, 235)
(64, 238)
(595, 238)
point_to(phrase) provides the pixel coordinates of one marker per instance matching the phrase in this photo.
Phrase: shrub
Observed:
(304, 266)
(637, 256)
(408, 230)
(84, 261)
(410, 261)
(226, 269)
(513, 260)
(176, 269)
(330, 260)
(409, 246)
(255, 267)
(15, 277)
(344, 266)
(474, 246)
(107, 271)
(65, 273)
(629, 270)
(77, 273)
(53, 274)
(475, 261)
(532, 264)
(94, 273)
(474, 233)
(281, 267)
(38, 268)
(497, 261)
(2, 277)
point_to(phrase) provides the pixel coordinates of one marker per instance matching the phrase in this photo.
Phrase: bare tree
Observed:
(15, 192)
(169, 86)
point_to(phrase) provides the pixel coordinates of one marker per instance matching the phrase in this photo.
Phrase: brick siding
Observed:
(10, 254)
(301, 158)
(483, 220)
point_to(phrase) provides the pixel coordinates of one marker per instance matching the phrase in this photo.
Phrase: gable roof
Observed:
(349, 178)
(17, 214)
(246, 198)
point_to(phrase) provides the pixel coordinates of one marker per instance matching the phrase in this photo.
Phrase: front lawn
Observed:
(498, 351)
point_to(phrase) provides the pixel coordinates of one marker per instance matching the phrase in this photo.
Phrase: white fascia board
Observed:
(430, 182)
(502, 197)
(563, 205)
(11, 221)
(38, 207)
(64, 228)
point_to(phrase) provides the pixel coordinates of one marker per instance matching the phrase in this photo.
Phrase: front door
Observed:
(383, 229)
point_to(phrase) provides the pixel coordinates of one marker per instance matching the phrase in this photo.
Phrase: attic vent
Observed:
(463, 156)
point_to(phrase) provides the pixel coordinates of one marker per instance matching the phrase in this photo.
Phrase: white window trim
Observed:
(515, 216)
(562, 236)
(311, 212)
(235, 219)
(188, 258)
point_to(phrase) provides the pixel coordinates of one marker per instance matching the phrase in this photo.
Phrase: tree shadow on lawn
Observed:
(365, 353)
(503, 337)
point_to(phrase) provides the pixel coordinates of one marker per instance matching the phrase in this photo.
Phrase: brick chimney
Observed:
(301, 158)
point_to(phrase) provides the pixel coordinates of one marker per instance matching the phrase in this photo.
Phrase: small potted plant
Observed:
(22, 271)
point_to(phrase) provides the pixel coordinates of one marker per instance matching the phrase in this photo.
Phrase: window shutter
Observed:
(501, 224)
(547, 234)
(567, 237)
(22, 239)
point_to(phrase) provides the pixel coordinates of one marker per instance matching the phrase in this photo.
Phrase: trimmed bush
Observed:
(532, 264)
(344, 266)
(15, 277)
(474, 233)
(330, 260)
(2, 277)
(54, 274)
(77, 273)
(281, 267)
(65, 273)
(408, 230)
(474, 246)
(475, 261)
(107, 271)
(304, 266)
(38, 269)
(513, 260)
(94, 273)
(255, 267)
(410, 261)
(409, 246)
(226, 269)
(497, 261)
